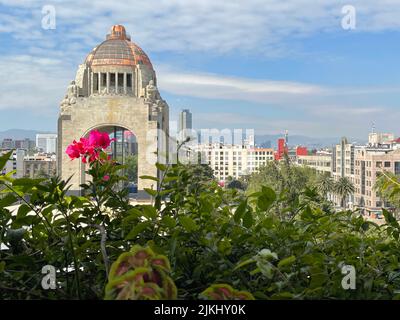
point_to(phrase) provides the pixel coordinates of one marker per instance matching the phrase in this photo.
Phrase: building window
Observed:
(397, 168)
(95, 82)
(129, 81)
(387, 164)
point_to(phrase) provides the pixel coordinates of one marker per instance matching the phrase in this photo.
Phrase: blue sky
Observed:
(267, 65)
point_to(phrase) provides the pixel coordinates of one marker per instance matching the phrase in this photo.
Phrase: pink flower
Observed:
(106, 178)
(99, 139)
(76, 149)
(72, 152)
(89, 149)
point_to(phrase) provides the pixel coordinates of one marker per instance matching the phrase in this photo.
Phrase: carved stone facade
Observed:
(116, 86)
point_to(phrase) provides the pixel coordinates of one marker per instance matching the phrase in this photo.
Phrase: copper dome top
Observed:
(118, 50)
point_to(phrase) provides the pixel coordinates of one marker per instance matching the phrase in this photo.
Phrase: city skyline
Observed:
(304, 73)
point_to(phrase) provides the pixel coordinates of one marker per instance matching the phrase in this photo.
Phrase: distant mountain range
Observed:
(260, 140)
(296, 140)
(20, 134)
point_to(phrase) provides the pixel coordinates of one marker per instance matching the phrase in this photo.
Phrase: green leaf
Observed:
(170, 178)
(168, 221)
(2, 266)
(165, 192)
(188, 223)
(27, 182)
(136, 230)
(151, 191)
(161, 167)
(266, 199)
(240, 211)
(4, 158)
(287, 261)
(23, 211)
(149, 178)
(8, 177)
(131, 215)
(244, 263)
(390, 219)
(149, 211)
(8, 200)
(248, 219)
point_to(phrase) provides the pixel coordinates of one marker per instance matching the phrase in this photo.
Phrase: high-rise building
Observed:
(343, 166)
(7, 144)
(185, 124)
(46, 142)
(26, 144)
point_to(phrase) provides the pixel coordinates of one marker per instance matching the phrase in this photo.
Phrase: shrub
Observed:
(214, 240)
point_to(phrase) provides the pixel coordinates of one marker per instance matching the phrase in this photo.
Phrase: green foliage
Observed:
(388, 188)
(276, 242)
(343, 188)
(287, 181)
(325, 184)
(225, 292)
(131, 167)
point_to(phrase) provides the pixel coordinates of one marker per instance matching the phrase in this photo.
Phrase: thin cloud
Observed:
(213, 86)
(221, 87)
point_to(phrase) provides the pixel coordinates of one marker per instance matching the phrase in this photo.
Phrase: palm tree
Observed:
(324, 184)
(343, 188)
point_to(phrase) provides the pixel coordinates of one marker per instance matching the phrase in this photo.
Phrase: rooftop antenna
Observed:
(373, 127)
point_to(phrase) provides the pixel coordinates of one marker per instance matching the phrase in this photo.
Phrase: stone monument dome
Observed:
(118, 50)
(115, 66)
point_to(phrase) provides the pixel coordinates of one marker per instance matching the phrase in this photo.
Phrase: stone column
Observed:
(108, 82)
(125, 83)
(91, 83)
(99, 79)
(116, 82)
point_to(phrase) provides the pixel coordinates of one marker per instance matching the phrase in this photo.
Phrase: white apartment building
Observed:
(377, 138)
(39, 164)
(16, 163)
(321, 162)
(29, 166)
(233, 160)
(46, 142)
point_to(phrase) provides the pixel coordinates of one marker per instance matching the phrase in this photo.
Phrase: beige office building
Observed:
(369, 162)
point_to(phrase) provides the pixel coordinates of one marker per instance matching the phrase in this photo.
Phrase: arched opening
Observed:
(124, 150)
